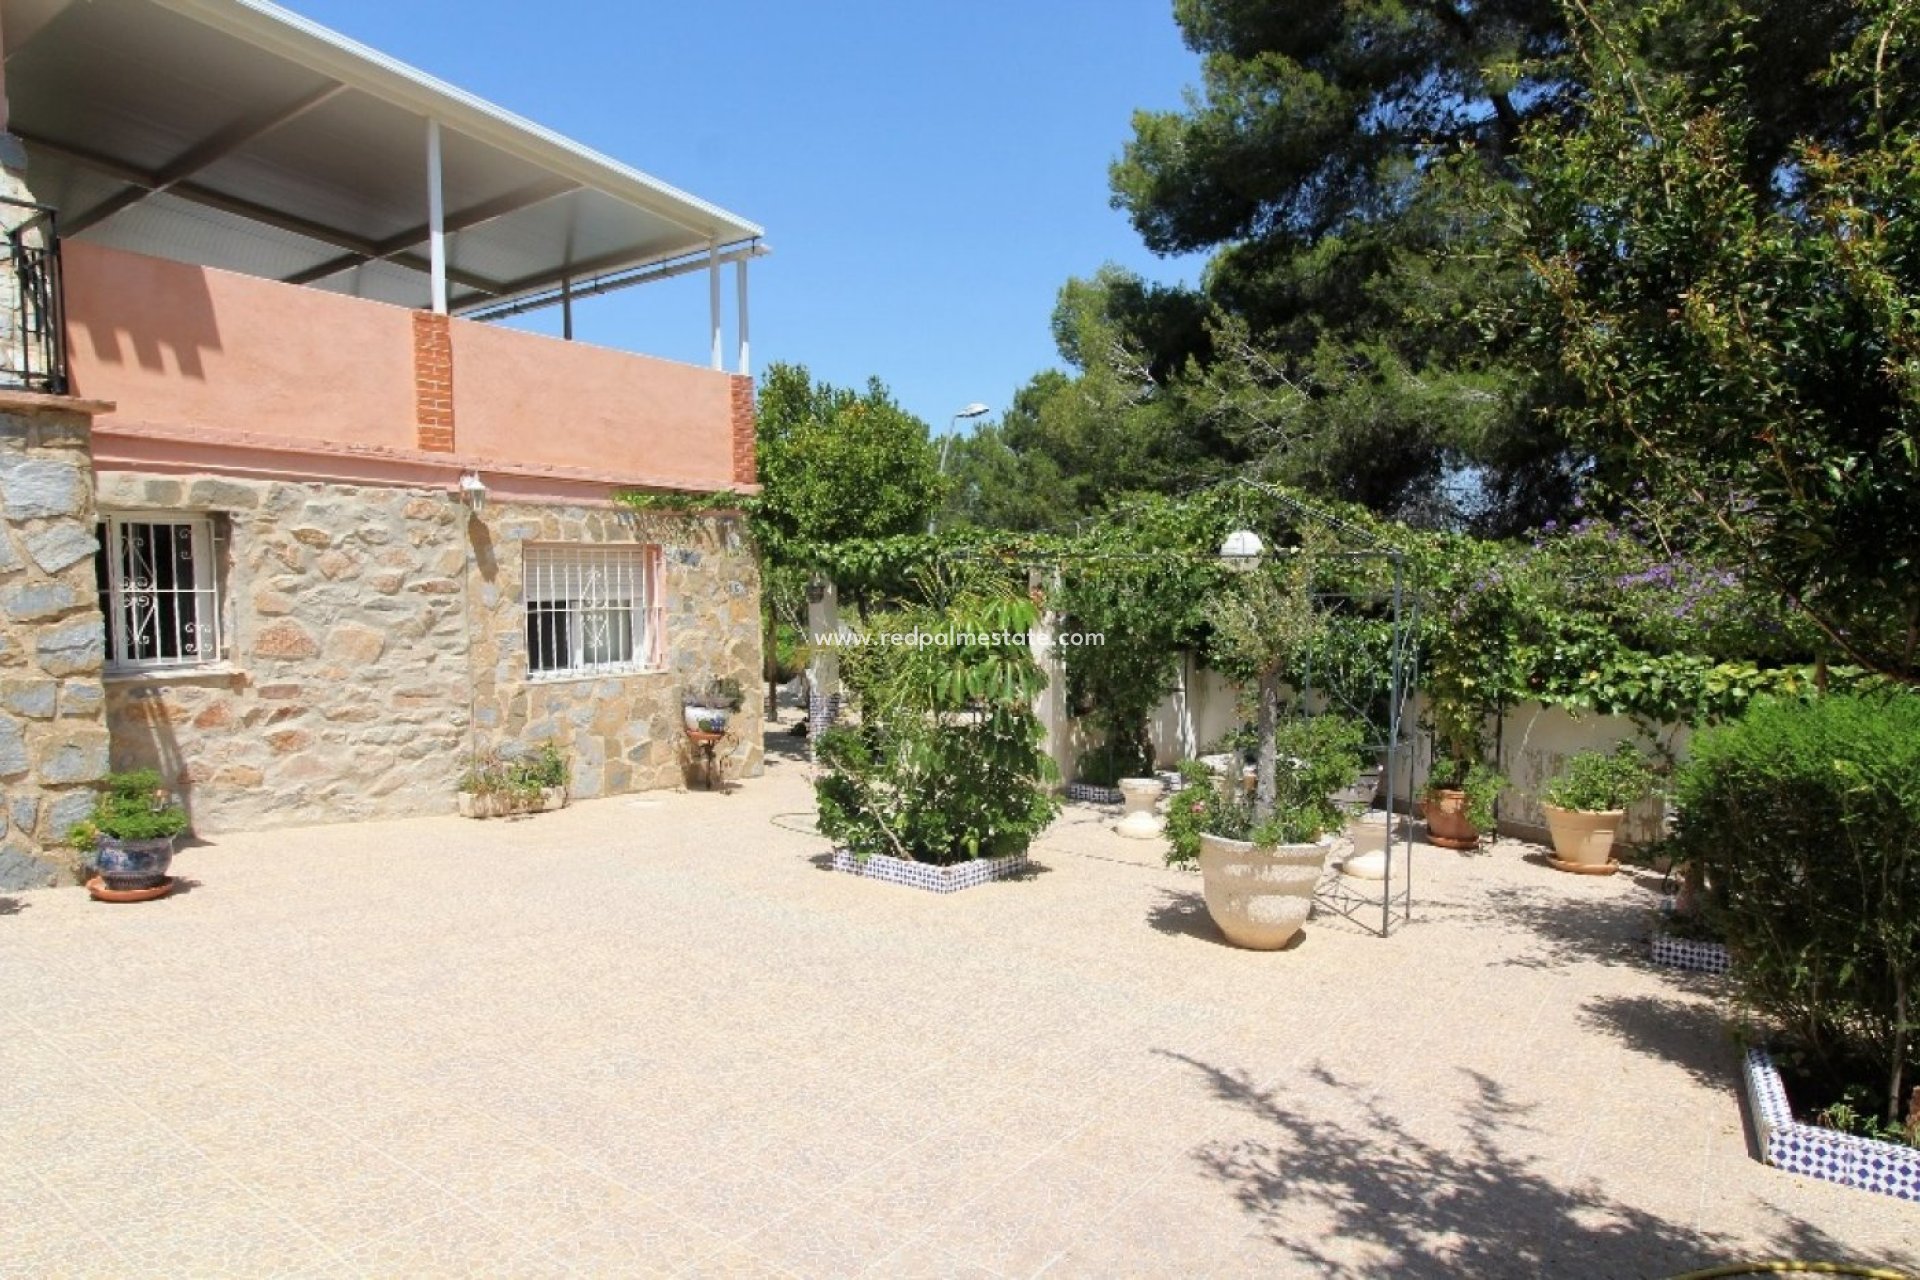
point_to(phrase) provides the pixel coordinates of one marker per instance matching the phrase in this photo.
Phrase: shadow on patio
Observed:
(1398, 1204)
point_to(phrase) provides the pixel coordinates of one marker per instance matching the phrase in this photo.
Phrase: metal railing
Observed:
(33, 339)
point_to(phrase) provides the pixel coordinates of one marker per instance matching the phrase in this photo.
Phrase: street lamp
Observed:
(974, 410)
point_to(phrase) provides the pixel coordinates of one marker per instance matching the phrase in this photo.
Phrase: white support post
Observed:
(436, 220)
(713, 301)
(823, 670)
(740, 288)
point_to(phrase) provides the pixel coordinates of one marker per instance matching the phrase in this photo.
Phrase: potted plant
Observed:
(499, 784)
(1258, 874)
(1587, 801)
(709, 706)
(1459, 801)
(129, 839)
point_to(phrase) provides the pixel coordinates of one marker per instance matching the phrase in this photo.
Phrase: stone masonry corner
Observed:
(53, 728)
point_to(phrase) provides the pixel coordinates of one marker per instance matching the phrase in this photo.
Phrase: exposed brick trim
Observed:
(743, 463)
(433, 382)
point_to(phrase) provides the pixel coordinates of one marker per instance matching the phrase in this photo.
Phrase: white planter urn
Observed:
(1139, 822)
(1260, 897)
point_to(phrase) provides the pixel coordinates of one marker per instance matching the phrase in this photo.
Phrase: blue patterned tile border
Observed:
(1088, 793)
(1883, 1167)
(1690, 953)
(919, 875)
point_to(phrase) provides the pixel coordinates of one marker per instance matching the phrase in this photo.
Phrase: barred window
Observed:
(159, 591)
(592, 610)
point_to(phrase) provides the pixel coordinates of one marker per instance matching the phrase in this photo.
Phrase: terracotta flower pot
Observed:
(1260, 897)
(1584, 837)
(1447, 823)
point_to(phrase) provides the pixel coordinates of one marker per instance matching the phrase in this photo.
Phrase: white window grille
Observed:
(159, 591)
(592, 610)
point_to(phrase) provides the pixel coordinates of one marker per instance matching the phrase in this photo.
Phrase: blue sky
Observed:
(928, 174)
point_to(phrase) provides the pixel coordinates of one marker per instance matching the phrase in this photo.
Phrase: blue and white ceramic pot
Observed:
(133, 864)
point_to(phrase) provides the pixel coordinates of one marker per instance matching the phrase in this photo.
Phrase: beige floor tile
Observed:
(457, 1243)
(651, 1033)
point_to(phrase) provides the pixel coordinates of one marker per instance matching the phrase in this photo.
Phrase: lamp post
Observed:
(974, 410)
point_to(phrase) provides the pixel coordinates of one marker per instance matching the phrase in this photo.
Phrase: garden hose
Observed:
(1794, 1268)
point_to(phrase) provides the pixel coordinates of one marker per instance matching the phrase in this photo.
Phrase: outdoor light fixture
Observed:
(1241, 551)
(473, 491)
(974, 410)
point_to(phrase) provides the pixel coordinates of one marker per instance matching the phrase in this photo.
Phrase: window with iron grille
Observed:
(592, 610)
(159, 591)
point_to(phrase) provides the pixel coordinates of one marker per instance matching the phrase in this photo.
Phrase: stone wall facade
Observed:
(53, 735)
(374, 642)
(623, 733)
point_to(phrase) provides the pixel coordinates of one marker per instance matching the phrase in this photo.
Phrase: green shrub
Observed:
(1597, 781)
(134, 806)
(946, 763)
(1806, 820)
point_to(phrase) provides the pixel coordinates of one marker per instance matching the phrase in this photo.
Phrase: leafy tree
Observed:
(1747, 359)
(834, 465)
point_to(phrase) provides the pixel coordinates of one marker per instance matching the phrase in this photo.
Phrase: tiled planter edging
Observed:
(1689, 953)
(1785, 1143)
(919, 875)
(1088, 793)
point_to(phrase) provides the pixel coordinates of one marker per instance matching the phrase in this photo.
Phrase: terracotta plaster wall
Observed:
(178, 345)
(542, 400)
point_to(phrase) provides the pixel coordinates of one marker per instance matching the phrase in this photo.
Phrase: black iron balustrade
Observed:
(33, 341)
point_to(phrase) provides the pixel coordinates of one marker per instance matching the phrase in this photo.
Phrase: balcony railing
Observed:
(33, 352)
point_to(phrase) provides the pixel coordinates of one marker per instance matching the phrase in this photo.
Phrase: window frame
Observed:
(207, 594)
(645, 565)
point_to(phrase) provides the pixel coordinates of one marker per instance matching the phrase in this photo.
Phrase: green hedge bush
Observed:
(1806, 819)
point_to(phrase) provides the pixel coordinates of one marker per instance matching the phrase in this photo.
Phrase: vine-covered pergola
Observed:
(1156, 569)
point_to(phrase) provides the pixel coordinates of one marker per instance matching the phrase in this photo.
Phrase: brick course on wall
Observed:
(376, 640)
(744, 470)
(433, 381)
(53, 736)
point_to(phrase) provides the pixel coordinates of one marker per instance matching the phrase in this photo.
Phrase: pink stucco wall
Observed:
(522, 395)
(230, 372)
(177, 345)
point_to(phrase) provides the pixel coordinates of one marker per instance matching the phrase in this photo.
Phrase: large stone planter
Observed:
(496, 805)
(1260, 897)
(1139, 822)
(1360, 792)
(1583, 838)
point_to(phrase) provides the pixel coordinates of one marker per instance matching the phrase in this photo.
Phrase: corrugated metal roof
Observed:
(235, 134)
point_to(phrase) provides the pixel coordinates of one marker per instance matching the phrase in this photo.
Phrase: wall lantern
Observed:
(473, 491)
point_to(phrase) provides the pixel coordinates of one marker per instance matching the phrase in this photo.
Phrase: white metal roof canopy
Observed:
(234, 134)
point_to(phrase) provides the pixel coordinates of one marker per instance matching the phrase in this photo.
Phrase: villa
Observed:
(284, 511)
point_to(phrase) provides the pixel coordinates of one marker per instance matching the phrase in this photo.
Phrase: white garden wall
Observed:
(1534, 740)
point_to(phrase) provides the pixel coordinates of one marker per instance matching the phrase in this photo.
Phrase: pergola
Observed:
(237, 135)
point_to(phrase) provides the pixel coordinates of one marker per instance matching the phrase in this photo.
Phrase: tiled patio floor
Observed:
(651, 1036)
